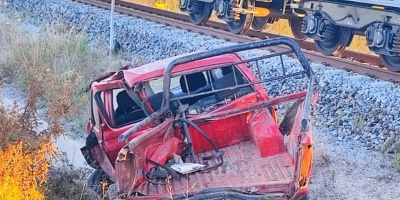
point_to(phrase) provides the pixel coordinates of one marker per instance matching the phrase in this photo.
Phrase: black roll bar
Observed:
(226, 50)
(243, 47)
(231, 49)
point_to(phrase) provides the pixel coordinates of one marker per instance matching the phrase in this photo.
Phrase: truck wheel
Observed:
(96, 181)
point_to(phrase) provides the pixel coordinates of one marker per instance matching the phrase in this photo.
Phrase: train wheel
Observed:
(337, 43)
(259, 23)
(295, 26)
(200, 13)
(391, 62)
(242, 23)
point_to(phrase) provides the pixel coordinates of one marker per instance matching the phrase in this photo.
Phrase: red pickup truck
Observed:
(202, 126)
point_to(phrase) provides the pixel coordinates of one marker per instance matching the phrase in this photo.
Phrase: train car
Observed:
(240, 15)
(332, 24)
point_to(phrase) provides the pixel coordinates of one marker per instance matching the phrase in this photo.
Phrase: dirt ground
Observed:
(344, 170)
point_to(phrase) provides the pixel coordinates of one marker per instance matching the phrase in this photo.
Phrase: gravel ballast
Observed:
(356, 107)
(353, 111)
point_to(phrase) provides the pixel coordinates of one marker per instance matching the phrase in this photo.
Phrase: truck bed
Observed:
(243, 168)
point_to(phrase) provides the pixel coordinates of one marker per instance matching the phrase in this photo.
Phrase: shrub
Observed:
(23, 170)
(48, 66)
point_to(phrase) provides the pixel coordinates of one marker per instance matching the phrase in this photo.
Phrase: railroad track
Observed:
(357, 62)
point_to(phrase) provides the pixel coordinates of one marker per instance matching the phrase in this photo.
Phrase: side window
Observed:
(95, 112)
(194, 82)
(208, 87)
(157, 84)
(118, 108)
(217, 73)
(114, 99)
(125, 109)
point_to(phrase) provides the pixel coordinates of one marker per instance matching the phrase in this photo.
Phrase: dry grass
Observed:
(185, 189)
(170, 5)
(280, 27)
(62, 51)
(67, 182)
(396, 163)
(23, 169)
(57, 51)
(324, 159)
(52, 68)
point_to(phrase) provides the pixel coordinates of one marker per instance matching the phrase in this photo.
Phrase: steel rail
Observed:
(357, 62)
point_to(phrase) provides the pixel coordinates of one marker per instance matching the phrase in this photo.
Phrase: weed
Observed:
(388, 145)
(359, 121)
(396, 162)
(169, 187)
(59, 51)
(324, 157)
(384, 178)
(26, 143)
(51, 68)
(67, 182)
(186, 190)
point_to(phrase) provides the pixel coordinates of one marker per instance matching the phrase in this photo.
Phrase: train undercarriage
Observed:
(331, 23)
(241, 15)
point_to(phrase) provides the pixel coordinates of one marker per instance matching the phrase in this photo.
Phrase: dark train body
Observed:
(331, 23)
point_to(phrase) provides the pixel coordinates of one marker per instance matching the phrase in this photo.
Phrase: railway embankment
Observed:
(357, 118)
(354, 107)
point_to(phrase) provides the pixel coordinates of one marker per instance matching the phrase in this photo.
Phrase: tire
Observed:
(337, 45)
(295, 27)
(392, 63)
(202, 15)
(96, 181)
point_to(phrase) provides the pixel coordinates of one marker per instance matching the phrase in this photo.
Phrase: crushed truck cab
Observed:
(202, 125)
